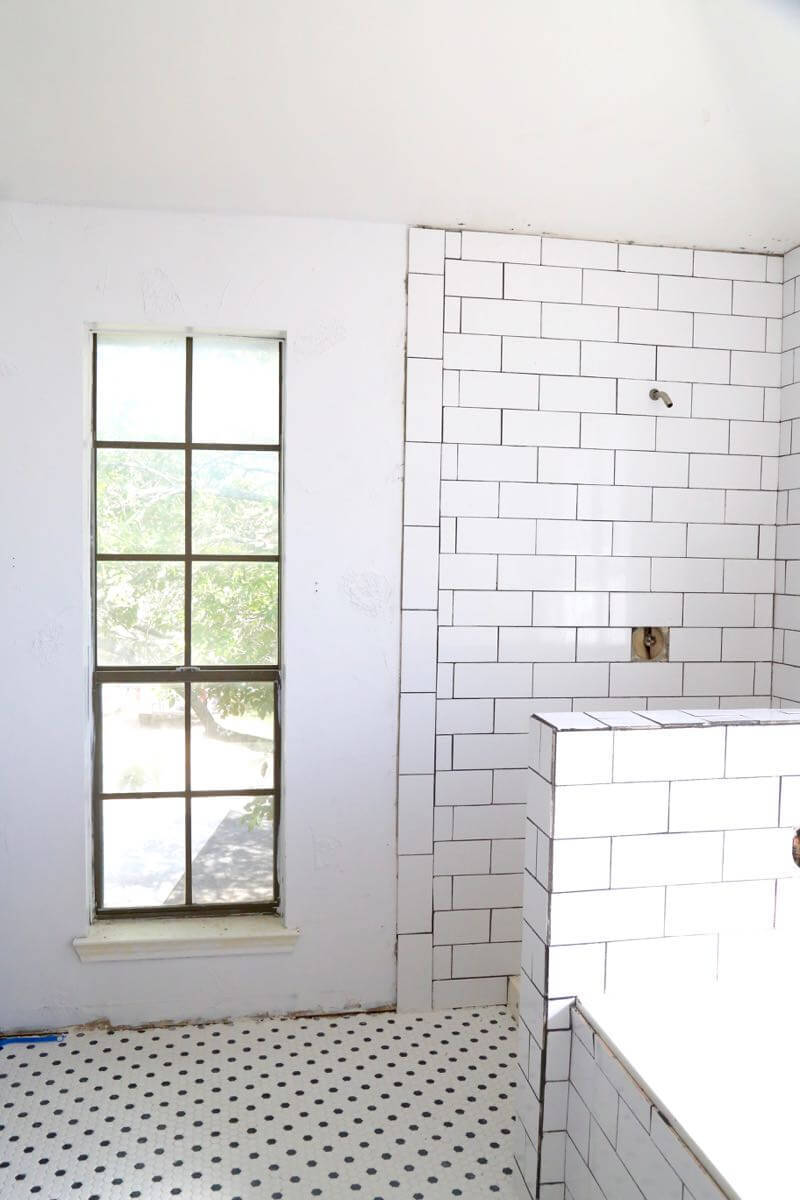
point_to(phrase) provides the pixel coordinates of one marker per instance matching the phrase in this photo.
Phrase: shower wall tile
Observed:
(571, 507)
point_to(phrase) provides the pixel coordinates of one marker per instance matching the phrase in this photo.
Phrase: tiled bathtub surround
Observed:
(655, 842)
(786, 670)
(551, 505)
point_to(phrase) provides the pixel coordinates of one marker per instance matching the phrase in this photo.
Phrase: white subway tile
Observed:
(754, 437)
(420, 567)
(608, 809)
(471, 351)
(655, 327)
(721, 541)
(759, 854)
(654, 468)
(729, 333)
(606, 916)
(615, 432)
(538, 500)
(718, 264)
(727, 401)
(491, 608)
(692, 434)
(755, 369)
(461, 858)
(490, 958)
(576, 970)
(615, 288)
(467, 993)
(579, 321)
(476, 425)
(452, 314)
(414, 972)
(576, 466)
(414, 903)
(657, 259)
(423, 400)
(724, 471)
(569, 252)
(645, 608)
(694, 295)
(492, 891)
(466, 499)
(618, 359)
(584, 757)
(421, 490)
(463, 787)
(462, 644)
(491, 389)
(490, 821)
(426, 251)
(666, 858)
(613, 503)
(489, 750)
(775, 268)
(468, 570)
(612, 574)
(570, 679)
(694, 366)
(581, 864)
(720, 907)
(749, 575)
(497, 462)
(688, 504)
(564, 393)
(573, 537)
(669, 754)
(541, 355)
(642, 538)
(541, 428)
(492, 679)
(415, 814)
(743, 645)
(501, 247)
(533, 572)
(466, 925)
(522, 317)
(717, 610)
(762, 750)
(757, 299)
(646, 1164)
(485, 535)
(661, 961)
(542, 283)
(425, 316)
(695, 645)
(537, 645)
(418, 651)
(464, 716)
(633, 396)
(646, 679)
(570, 608)
(603, 645)
(467, 278)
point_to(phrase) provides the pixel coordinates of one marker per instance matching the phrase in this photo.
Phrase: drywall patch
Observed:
(367, 590)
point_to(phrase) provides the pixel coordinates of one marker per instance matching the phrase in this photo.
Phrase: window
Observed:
(186, 555)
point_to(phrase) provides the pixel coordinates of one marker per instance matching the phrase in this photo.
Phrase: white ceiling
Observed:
(670, 121)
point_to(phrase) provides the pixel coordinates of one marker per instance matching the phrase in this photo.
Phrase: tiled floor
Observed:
(411, 1107)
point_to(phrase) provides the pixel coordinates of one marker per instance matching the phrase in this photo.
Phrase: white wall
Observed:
(786, 669)
(551, 505)
(337, 291)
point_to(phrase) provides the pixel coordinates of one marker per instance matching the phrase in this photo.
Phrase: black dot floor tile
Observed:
(367, 1107)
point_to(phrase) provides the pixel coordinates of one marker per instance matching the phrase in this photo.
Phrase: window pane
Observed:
(143, 855)
(235, 390)
(233, 736)
(234, 613)
(141, 387)
(139, 613)
(234, 502)
(140, 501)
(232, 850)
(143, 737)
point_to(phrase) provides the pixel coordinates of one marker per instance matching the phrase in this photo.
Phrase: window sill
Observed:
(183, 937)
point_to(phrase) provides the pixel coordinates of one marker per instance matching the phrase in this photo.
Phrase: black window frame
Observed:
(186, 674)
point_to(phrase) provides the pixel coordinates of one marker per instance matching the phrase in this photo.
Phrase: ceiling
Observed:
(668, 121)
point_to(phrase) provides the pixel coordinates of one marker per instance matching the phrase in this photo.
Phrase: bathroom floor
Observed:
(410, 1107)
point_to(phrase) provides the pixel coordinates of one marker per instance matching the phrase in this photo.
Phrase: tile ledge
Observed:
(183, 937)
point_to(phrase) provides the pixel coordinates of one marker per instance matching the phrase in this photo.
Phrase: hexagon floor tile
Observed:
(379, 1106)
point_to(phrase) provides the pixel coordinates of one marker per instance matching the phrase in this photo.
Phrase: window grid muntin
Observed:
(186, 674)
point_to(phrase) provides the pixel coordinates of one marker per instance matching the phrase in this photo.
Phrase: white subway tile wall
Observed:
(571, 507)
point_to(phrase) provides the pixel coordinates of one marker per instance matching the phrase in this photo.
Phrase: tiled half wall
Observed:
(550, 506)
